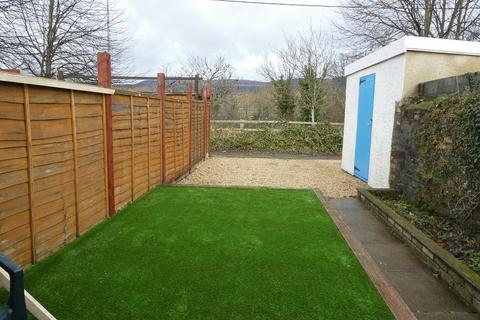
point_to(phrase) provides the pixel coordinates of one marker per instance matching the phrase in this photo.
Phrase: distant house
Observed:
(377, 82)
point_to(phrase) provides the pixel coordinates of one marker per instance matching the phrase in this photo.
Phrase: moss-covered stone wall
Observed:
(436, 154)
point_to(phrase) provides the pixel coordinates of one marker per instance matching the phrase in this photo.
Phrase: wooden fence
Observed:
(52, 166)
(136, 152)
(66, 155)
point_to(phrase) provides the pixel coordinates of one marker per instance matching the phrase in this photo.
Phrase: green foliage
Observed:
(284, 98)
(457, 238)
(311, 91)
(321, 138)
(447, 141)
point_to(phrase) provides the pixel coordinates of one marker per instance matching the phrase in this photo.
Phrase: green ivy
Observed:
(321, 138)
(447, 141)
(445, 231)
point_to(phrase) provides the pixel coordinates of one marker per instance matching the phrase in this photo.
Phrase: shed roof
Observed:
(44, 82)
(419, 44)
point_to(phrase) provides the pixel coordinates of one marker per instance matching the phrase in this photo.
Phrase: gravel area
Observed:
(324, 175)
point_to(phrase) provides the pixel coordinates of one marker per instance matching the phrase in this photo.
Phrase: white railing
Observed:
(272, 122)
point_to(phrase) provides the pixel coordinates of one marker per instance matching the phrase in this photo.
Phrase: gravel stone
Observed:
(325, 175)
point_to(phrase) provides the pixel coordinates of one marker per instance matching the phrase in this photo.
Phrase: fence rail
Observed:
(240, 122)
(61, 76)
(71, 155)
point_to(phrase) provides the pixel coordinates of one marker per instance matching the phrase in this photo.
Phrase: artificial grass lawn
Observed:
(210, 253)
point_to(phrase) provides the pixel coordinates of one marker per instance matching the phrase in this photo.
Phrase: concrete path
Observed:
(427, 297)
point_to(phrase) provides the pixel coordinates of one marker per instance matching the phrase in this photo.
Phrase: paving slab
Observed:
(424, 293)
(447, 316)
(347, 203)
(372, 233)
(426, 296)
(386, 255)
(360, 217)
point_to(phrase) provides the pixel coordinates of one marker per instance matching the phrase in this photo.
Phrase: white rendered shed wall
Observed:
(389, 81)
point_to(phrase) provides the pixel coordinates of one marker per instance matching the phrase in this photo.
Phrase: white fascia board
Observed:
(392, 50)
(446, 46)
(52, 83)
(415, 44)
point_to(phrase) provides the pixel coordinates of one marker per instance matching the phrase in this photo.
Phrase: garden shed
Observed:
(378, 81)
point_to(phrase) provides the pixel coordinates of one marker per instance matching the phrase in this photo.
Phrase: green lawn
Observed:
(210, 253)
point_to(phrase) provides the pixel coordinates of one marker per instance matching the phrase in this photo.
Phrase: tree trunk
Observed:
(50, 38)
(429, 5)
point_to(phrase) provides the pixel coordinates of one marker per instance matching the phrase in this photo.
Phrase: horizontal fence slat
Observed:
(54, 167)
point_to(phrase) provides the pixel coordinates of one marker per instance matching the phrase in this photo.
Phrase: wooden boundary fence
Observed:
(72, 155)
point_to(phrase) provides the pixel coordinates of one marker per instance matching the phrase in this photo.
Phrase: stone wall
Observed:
(403, 156)
(408, 116)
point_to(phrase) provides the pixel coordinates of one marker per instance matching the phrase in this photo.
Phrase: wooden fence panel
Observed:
(52, 169)
(169, 121)
(122, 149)
(198, 130)
(155, 147)
(90, 160)
(140, 147)
(54, 207)
(15, 234)
(177, 135)
(137, 157)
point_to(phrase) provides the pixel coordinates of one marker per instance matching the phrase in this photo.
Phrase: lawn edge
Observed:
(390, 295)
(242, 187)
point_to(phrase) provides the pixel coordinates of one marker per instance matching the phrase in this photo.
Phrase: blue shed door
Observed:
(364, 126)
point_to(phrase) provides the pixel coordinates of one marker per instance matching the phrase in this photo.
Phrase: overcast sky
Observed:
(164, 32)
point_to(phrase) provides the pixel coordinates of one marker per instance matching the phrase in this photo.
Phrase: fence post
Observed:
(161, 94)
(132, 150)
(12, 71)
(104, 69)
(148, 142)
(209, 102)
(190, 127)
(197, 85)
(205, 124)
(28, 136)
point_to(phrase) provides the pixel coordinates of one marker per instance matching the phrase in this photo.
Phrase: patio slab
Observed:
(426, 296)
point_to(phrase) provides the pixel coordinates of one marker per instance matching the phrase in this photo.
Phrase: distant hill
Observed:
(249, 85)
(179, 86)
(239, 85)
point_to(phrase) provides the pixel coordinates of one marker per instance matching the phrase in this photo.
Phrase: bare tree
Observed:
(280, 68)
(369, 24)
(219, 72)
(5, 4)
(6, 7)
(308, 56)
(316, 57)
(44, 36)
(283, 64)
(210, 69)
